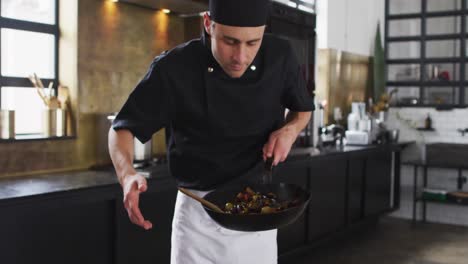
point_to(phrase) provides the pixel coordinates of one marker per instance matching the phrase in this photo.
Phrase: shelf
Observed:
(428, 83)
(24, 138)
(425, 129)
(421, 199)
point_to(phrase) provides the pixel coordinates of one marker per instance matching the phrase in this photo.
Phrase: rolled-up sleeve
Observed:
(147, 108)
(296, 96)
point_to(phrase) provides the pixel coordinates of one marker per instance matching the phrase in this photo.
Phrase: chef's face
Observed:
(234, 48)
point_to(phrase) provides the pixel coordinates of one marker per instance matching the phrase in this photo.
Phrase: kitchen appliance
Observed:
(358, 138)
(142, 153)
(298, 27)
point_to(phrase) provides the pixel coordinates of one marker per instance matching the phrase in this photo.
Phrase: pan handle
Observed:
(268, 171)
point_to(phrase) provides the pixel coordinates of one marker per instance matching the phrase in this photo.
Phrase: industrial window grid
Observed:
(36, 27)
(423, 61)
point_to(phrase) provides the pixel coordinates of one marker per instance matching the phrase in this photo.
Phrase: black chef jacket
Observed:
(217, 124)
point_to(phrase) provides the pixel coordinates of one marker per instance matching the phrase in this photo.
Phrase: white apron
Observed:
(197, 239)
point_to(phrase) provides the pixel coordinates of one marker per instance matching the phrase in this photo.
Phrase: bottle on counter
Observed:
(428, 122)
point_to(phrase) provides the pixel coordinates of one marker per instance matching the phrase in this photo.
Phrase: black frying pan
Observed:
(258, 222)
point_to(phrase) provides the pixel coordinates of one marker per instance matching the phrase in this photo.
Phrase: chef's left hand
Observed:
(279, 144)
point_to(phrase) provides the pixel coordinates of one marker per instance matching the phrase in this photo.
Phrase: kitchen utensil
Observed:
(201, 200)
(7, 124)
(394, 135)
(49, 91)
(258, 222)
(62, 96)
(39, 90)
(268, 171)
(38, 81)
(54, 122)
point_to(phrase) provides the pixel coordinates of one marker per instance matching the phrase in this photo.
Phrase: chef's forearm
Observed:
(297, 120)
(121, 152)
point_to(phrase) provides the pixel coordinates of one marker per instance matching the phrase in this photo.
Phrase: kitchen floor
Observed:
(396, 241)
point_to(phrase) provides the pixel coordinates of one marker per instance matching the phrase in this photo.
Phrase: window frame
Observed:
(37, 27)
(461, 84)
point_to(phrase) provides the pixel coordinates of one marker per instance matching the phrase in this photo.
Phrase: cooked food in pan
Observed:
(250, 202)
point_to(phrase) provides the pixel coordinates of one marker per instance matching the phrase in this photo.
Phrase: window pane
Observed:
(443, 25)
(403, 72)
(41, 11)
(466, 96)
(466, 22)
(25, 52)
(443, 5)
(442, 72)
(28, 108)
(404, 50)
(405, 95)
(440, 95)
(442, 48)
(404, 27)
(405, 6)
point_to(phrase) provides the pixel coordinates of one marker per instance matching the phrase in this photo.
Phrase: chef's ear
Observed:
(207, 22)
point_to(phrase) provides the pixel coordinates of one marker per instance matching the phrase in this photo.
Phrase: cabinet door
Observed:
(327, 205)
(378, 182)
(293, 235)
(57, 230)
(356, 170)
(136, 245)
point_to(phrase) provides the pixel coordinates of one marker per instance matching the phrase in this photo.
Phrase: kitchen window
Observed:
(426, 52)
(29, 35)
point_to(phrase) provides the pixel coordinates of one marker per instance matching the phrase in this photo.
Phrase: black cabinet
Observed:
(356, 169)
(136, 245)
(378, 182)
(58, 229)
(293, 235)
(327, 205)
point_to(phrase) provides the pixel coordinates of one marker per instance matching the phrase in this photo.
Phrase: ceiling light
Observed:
(166, 11)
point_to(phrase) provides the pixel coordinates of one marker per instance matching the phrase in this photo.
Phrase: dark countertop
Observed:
(304, 153)
(17, 187)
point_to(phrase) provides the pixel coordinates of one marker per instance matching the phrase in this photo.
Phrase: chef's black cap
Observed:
(240, 13)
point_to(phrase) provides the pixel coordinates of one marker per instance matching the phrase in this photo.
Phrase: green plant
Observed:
(378, 66)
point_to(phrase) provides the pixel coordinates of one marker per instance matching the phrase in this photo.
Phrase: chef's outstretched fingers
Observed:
(142, 185)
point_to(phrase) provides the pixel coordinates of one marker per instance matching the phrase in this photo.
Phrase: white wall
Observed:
(349, 25)
(445, 124)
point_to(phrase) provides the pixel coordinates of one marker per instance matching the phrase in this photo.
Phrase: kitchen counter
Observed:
(17, 187)
(20, 187)
(299, 153)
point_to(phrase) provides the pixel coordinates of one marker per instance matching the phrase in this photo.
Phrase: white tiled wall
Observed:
(445, 124)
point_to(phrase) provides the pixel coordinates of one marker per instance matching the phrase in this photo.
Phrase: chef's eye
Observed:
(253, 43)
(230, 42)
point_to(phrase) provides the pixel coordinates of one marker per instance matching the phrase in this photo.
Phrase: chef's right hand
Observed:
(133, 185)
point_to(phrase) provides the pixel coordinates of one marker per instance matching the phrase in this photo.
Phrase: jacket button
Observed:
(210, 69)
(253, 67)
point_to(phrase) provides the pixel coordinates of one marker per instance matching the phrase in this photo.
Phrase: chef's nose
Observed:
(240, 54)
